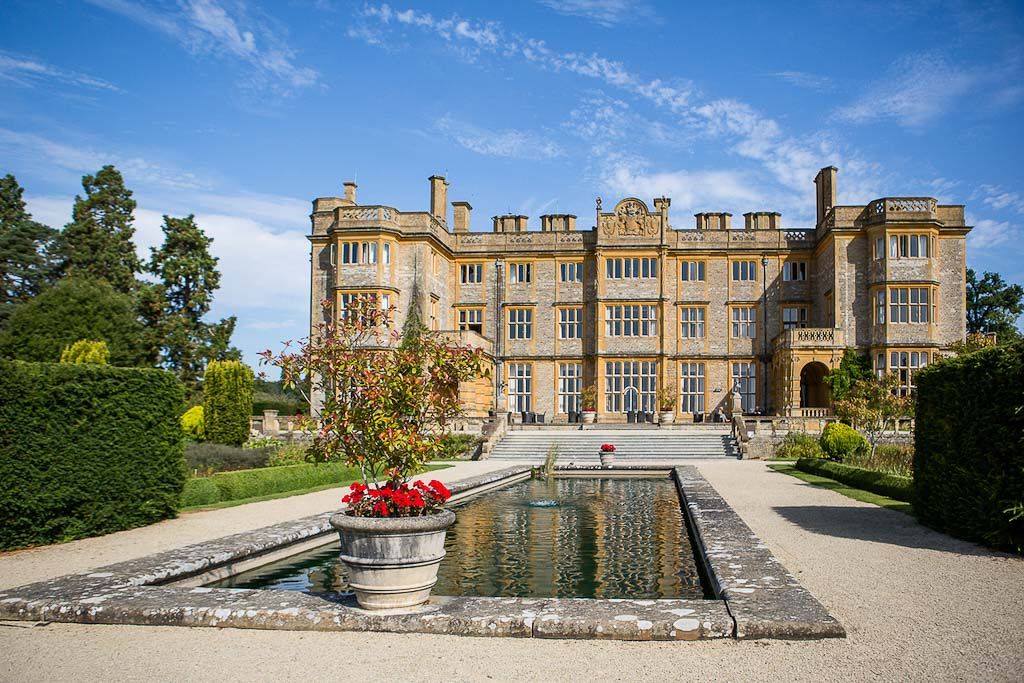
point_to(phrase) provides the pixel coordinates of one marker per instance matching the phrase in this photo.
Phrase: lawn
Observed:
(848, 491)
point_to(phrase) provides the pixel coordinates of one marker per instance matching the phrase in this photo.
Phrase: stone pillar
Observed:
(271, 426)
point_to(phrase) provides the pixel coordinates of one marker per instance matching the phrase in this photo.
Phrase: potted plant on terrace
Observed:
(588, 396)
(607, 454)
(666, 396)
(387, 402)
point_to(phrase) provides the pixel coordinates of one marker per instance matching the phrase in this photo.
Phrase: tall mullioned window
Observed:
(520, 273)
(630, 386)
(691, 387)
(909, 305)
(520, 387)
(794, 271)
(743, 374)
(359, 252)
(691, 322)
(880, 307)
(793, 317)
(744, 270)
(570, 272)
(909, 246)
(617, 268)
(692, 271)
(471, 273)
(907, 363)
(520, 323)
(569, 326)
(570, 385)
(471, 319)
(630, 320)
(744, 322)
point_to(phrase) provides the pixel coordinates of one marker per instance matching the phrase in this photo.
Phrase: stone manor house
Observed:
(635, 302)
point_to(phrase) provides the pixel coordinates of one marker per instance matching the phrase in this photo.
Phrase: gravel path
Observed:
(917, 606)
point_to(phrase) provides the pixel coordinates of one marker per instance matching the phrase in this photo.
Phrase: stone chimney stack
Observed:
(350, 191)
(461, 212)
(713, 220)
(825, 183)
(439, 198)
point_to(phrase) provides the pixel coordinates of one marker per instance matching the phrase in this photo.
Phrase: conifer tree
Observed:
(26, 250)
(98, 241)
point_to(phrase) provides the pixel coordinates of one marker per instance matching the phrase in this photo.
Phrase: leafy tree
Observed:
(98, 241)
(872, 404)
(73, 309)
(993, 306)
(26, 250)
(227, 401)
(852, 368)
(174, 308)
(86, 351)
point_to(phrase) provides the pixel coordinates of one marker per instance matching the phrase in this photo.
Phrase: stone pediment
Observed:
(630, 218)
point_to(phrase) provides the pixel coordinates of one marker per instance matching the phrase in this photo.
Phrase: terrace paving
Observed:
(916, 605)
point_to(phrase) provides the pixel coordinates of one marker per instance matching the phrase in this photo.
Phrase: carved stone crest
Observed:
(630, 219)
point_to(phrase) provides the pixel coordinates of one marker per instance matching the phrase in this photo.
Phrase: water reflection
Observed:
(569, 537)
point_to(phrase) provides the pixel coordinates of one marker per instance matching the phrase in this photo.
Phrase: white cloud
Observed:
(802, 79)
(989, 233)
(508, 142)
(604, 12)
(916, 90)
(691, 191)
(32, 72)
(1000, 199)
(206, 27)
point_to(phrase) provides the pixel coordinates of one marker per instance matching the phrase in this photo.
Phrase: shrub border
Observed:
(890, 485)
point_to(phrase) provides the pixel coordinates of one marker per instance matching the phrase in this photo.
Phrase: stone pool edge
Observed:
(140, 592)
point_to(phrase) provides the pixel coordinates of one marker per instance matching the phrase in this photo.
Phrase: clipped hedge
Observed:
(969, 446)
(898, 488)
(227, 486)
(86, 450)
(227, 401)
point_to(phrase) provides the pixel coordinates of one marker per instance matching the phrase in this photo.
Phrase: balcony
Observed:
(810, 338)
(901, 209)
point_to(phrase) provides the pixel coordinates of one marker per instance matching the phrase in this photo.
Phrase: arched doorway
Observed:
(813, 390)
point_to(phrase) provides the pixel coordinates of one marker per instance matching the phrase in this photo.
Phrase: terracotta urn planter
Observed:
(392, 562)
(589, 417)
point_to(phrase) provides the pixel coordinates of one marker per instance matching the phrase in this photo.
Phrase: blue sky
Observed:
(242, 112)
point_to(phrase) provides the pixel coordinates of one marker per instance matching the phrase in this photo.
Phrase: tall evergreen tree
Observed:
(98, 241)
(993, 306)
(26, 250)
(175, 307)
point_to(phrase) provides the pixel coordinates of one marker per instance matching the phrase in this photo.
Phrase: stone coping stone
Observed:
(766, 601)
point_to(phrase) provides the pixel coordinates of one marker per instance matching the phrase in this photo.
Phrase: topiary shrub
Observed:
(841, 441)
(227, 401)
(86, 450)
(86, 351)
(194, 424)
(969, 446)
(798, 445)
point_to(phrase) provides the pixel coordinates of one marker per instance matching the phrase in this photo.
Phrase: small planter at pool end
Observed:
(607, 454)
(589, 417)
(666, 417)
(392, 561)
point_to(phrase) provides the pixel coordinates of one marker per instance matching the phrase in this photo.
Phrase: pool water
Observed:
(560, 537)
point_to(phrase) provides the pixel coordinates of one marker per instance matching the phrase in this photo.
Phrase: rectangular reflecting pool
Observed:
(577, 537)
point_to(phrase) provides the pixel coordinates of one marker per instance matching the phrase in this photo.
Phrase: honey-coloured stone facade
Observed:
(635, 303)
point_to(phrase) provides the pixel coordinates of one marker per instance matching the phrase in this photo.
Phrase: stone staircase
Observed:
(631, 445)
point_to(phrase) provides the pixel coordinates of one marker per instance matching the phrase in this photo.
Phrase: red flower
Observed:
(381, 508)
(607, 448)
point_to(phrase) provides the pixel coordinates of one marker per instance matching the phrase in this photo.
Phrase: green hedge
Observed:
(969, 445)
(86, 450)
(899, 488)
(225, 486)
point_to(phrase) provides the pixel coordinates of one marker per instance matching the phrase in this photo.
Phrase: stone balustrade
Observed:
(810, 337)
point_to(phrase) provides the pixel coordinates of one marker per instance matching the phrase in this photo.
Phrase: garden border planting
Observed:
(756, 596)
(890, 485)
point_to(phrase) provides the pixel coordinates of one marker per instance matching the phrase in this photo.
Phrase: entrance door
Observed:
(630, 386)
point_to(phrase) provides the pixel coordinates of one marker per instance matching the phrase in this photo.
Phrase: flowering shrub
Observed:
(388, 399)
(607, 448)
(396, 500)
